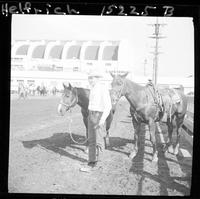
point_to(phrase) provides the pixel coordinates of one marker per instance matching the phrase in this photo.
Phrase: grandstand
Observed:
(51, 62)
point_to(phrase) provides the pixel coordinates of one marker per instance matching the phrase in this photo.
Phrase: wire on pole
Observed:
(156, 35)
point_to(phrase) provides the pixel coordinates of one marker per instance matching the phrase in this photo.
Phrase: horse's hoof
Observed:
(176, 151)
(166, 152)
(170, 149)
(132, 155)
(155, 159)
(86, 150)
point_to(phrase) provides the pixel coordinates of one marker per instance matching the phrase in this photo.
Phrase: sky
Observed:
(177, 48)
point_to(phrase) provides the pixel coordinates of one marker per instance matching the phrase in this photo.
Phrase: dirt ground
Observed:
(44, 159)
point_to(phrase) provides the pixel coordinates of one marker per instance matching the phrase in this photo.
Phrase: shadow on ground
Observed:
(163, 177)
(57, 143)
(118, 144)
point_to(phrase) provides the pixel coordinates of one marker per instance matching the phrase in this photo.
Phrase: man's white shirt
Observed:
(99, 100)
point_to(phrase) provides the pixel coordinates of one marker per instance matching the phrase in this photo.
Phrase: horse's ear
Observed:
(65, 86)
(112, 74)
(70, 86)
(124, 75)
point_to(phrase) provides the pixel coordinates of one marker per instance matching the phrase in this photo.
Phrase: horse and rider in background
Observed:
(54, 90)
(31, 89)
(41, 90)
(22, 91)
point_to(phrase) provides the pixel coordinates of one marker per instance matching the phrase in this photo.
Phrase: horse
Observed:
(41, 90)
(31, 89)
(54, 90)
(149, 105)
(75, 95)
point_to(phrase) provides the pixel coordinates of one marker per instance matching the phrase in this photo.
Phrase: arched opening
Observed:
(56, 52)
(110, 53)
(73, 52)
(39, 52)
(91, 53)
(22, 50)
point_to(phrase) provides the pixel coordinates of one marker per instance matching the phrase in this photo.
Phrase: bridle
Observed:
(73, 103)
(121, 90)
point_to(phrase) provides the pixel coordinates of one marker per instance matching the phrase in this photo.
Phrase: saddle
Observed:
(156, 95)
(166, 100)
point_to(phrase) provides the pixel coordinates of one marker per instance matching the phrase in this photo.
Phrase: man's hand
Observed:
(100, 125)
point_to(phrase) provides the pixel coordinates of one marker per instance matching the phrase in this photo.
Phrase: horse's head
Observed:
(68, 100)
(117, 84)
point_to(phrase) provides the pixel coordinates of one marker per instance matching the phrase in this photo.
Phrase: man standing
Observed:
(99, 109)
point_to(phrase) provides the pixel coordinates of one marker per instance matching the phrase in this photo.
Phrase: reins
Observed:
(70, 131)
(162, 103)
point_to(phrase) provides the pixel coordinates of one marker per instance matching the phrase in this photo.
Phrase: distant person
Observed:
(22, 91)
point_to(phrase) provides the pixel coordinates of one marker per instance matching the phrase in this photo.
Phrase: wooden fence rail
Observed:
(189, 119)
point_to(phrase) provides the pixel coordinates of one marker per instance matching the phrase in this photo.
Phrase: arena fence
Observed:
(189, 120)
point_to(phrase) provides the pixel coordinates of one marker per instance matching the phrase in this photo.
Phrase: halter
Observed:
(74, 102)
(120, 94)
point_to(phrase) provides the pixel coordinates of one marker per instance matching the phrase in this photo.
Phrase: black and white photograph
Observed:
(101, 105)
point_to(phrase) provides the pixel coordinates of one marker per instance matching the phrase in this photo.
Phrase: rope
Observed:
(70, 131)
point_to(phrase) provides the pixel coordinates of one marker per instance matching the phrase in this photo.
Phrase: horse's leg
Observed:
(170, 131)
(85, 121)
(136, 126)
(108, 124)
(158, 127)
(152, 130)
(179, 123)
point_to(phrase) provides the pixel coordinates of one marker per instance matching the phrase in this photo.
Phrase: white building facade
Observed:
(52, 62)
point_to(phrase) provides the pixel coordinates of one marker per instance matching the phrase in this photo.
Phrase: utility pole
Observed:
(145, 63)
(156, 35)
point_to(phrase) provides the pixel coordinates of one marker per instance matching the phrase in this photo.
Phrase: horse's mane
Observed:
(83, 96)
(81, 88)
(136, 85)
